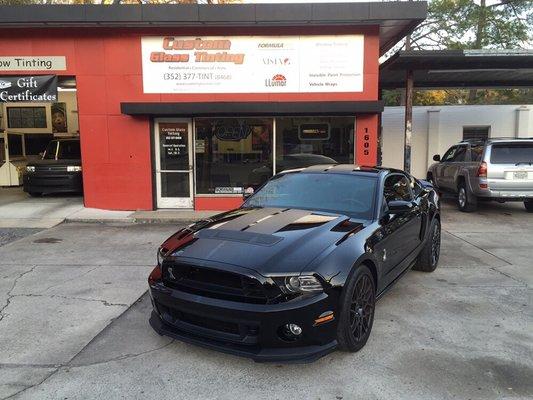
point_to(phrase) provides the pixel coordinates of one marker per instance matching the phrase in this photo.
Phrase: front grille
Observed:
(214, 283)
(50, 168)
(201, 321)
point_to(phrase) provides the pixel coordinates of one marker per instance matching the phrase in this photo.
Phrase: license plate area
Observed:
(520, 175)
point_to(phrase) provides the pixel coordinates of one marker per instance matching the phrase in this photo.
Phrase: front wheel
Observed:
(357, 310)
(428, 259)
(528, 204)
(466, 202)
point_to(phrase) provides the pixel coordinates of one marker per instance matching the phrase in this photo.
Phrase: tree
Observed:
(472, 24)
(478, 24)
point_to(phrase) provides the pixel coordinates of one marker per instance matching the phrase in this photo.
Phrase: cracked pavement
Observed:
(76, 324)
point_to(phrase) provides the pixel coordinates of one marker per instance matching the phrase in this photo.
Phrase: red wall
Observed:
(117, 167)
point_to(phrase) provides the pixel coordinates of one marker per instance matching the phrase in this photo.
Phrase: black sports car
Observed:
(295, 272)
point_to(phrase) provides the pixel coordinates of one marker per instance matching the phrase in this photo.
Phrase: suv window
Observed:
(69, 150)
(460, 154)
(397, 187)
(511, 153)
(476, 152)
(449, 154)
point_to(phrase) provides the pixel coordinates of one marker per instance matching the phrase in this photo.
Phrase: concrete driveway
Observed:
(19, 210)
(74, 324)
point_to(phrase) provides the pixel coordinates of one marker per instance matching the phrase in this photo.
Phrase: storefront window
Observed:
(301, 142)
(232, 154)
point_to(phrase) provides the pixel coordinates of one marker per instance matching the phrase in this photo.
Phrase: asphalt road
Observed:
(73, 324)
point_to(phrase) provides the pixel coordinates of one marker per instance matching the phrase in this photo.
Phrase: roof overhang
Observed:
(241, 109)
(395, 19)
(459, 68)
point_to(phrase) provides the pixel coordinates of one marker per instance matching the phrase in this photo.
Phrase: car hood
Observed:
(267, 240)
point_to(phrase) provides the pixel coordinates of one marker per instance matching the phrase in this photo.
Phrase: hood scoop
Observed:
(259, 239)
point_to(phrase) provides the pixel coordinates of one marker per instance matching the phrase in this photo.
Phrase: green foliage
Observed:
(463, 24)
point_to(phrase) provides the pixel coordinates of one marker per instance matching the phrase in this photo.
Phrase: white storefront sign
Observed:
(37, 63)
(253, 64)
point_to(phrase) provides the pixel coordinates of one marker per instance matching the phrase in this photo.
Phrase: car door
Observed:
(454, 165)
(402, 230)
(440, 169)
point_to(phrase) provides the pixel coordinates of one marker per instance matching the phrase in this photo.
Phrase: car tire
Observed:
(466, 201)
(428, 259)
(528, 205)
(35, 194)
(357, 307)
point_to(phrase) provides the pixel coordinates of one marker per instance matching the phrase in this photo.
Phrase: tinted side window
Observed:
(397, 187)
(449, 154)
(460, 154)
(476, 152)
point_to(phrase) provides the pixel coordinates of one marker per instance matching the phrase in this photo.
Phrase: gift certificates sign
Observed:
(253, 64)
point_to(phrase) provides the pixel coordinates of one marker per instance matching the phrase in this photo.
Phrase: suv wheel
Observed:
(466, 202)
(529, 205)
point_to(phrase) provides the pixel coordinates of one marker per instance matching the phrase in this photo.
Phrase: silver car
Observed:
(498, 169)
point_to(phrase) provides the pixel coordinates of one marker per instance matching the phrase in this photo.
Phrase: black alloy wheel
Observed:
(357, 310)
(428, 259)
(362, 308)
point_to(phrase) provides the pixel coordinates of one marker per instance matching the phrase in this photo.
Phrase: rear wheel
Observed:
(357, 310)
(466, 201)
(428, 259)
(528, 204)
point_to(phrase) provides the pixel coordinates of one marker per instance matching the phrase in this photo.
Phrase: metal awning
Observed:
(395, 19)
(241, 109)
(459, 69)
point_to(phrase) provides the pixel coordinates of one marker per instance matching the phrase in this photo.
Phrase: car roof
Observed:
(496, 140)
(343, 169)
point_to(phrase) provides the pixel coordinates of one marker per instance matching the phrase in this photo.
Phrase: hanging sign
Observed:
(36, 88)
(253, 64)
(38, 63)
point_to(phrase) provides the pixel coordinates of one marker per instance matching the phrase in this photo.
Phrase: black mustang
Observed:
(295, 272)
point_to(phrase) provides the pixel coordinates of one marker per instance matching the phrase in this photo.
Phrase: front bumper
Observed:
(243, 329)
(53, 182)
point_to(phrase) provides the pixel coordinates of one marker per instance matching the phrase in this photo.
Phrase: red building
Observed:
(187, 105)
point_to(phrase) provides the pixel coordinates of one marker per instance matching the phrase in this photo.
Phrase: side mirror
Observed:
(399, 206)
(247, 192)
(436, 157)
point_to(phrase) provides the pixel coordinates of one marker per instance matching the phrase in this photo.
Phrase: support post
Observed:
(408, 129)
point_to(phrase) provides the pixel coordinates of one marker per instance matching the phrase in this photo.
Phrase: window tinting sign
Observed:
(174, 145)
(313, 132)
(37, 88)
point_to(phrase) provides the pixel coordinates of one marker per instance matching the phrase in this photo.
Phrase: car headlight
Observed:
(73, 168)
(160, 256)
(300, 284)
(30, 168)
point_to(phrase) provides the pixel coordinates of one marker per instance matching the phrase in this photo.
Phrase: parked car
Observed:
(58, 171)
(493, 169)
(295, 272)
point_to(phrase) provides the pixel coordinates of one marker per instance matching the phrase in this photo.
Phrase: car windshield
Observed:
(512, 153)
(50, 152)
(69, 150)
(349, 194)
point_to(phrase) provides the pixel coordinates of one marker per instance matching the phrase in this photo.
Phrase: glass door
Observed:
(174, 163)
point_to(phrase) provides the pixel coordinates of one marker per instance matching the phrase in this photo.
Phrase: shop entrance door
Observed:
(173, 163)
